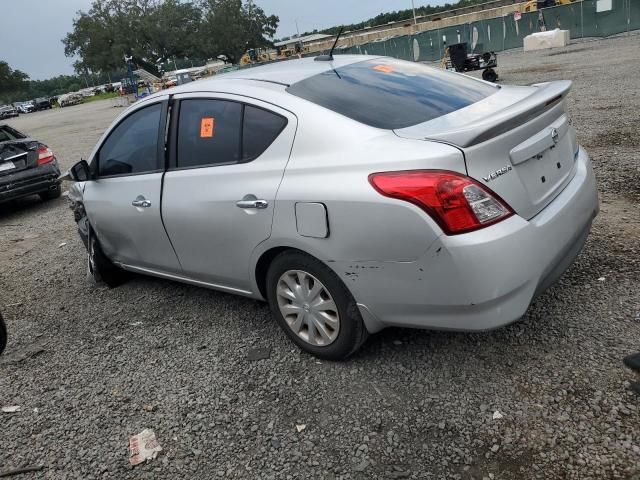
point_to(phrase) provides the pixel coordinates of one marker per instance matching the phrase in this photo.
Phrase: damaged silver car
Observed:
(352, 194)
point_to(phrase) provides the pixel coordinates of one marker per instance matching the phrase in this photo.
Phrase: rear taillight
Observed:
(45, 155)
(456, 202)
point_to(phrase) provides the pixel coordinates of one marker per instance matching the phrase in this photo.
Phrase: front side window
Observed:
(132, 147)
(209, 133)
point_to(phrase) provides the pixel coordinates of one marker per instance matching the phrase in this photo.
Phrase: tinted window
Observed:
(132, 147)
(391, 94)
(260, 129)
(8, 133)
(209, 133)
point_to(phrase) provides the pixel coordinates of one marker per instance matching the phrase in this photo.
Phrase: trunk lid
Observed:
(18, 155)
(518, 142)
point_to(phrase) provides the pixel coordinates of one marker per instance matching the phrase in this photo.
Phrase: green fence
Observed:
(582, 19)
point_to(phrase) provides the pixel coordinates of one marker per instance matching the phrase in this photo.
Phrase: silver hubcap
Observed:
(308, 308)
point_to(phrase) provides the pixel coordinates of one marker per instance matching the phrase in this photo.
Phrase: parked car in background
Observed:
(24, 107)
(41, 103)
(27, 167)
(351, 194)
(8, 111)
(69, 99)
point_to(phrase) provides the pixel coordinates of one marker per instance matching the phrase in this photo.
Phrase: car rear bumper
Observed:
(29, 182)
(484, 279)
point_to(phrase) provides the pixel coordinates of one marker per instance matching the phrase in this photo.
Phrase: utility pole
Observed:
(413, 7)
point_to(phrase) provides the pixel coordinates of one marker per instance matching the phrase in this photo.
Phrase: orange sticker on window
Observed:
(207, 127)
(383, 68)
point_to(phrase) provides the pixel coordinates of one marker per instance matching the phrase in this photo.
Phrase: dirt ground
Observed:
(91, 366)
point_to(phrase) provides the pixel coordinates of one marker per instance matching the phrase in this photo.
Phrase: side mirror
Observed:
(80, 172)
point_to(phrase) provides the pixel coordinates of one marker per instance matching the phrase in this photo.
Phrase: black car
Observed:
(42, 103)
(27, 167)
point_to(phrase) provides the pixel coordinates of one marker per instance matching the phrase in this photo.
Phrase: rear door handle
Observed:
(250, 201)
(141, 202)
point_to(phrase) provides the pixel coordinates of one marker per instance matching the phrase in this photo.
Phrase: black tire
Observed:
(100, 267)
(489, 75)
(51, 194)
(352, 332)
(3, 335)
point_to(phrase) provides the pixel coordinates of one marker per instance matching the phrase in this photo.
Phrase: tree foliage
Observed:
(154, 31)
(11, 81)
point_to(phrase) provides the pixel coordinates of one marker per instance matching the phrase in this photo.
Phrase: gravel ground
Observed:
(412, 404)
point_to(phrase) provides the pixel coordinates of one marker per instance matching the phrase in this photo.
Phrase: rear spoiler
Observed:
(544, 97)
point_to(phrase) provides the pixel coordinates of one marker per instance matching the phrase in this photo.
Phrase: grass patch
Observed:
(102, 96)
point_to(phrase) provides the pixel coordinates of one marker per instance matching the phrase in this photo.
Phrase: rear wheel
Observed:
(100, 268)
(314, 307)
(489, 75)
(51, 194)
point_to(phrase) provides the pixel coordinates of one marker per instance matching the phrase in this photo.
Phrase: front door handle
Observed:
(250, 201)
(141, 202)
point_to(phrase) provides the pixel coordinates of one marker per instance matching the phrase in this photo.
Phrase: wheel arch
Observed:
(372, 323)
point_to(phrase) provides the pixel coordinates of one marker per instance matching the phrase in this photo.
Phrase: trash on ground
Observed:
(27, 352)
(62, 244)
(135, 324)
(497, 415)
(17, 471)
(301, 427)
(143, 447)
(601, 279)
(256, 354)
(11, 409)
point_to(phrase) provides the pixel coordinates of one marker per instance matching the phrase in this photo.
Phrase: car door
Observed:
(229, 157)
(123, 201)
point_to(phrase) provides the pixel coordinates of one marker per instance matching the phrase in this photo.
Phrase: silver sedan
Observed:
(352, 194)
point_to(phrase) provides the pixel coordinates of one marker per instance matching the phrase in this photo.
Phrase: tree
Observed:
(230, 27)
(11, 81)
(154, 31)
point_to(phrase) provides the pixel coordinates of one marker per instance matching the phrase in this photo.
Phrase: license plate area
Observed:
(7, 166)
(547, 172)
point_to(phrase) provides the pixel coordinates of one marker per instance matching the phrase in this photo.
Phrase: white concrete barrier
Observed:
(551, 39)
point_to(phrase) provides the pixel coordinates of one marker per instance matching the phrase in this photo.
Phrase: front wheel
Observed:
(314, 307)
(99, 267)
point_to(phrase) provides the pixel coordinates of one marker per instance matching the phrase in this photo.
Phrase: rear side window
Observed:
(132, 147)
(209, 133)
(8, 133)
(391, 94)
(260, 129)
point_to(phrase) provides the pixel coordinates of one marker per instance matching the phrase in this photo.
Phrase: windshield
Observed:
(391, 94)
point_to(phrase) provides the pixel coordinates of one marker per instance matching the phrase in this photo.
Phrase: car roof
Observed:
(285, 73)
(289, 72)
(264, 82)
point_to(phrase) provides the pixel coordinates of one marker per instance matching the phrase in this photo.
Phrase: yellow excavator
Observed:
(535, 5)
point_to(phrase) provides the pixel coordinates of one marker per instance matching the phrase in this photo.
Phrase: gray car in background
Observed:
(351, 194)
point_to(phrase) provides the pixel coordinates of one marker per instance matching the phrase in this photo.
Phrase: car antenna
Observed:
(329, 58)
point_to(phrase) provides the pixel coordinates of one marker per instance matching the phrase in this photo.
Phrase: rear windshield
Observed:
(391, 94)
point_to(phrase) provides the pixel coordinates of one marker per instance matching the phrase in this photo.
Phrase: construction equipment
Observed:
(254, 55)
(535, 5)
(456, 57)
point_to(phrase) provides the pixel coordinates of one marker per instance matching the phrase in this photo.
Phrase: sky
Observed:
(35, 47)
